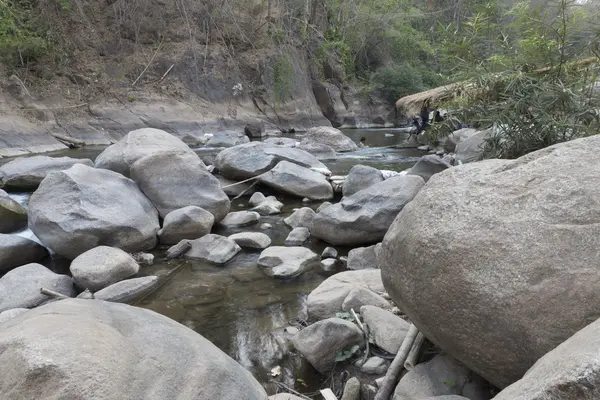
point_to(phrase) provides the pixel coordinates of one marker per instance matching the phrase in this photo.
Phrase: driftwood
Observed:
(393, 372)
(179, 249)
(68, 141)
(53, 294)
(415, 351)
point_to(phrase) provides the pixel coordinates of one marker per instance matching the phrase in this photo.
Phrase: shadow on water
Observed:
(236, 306)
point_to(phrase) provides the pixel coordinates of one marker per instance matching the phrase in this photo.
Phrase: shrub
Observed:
(397, 81)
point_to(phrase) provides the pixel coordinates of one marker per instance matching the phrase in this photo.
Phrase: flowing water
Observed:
(236, 306)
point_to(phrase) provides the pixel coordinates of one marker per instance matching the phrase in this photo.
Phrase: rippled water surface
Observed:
(236, 306)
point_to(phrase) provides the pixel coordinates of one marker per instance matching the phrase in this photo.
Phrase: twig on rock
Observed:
(53, 294)
(290, 390)
(413, 355)
(393, 372)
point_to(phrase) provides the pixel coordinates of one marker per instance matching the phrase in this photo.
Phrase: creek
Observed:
(236, 306)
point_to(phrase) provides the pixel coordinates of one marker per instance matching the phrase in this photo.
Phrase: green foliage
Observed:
(283, 71)
(343, 355)
(21, 39)
(399, 80)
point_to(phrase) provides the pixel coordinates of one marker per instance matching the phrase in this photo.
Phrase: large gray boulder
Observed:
(81, 208)
(442, 376)
(16, 251)
(569, 372)
(428, 166)
(331, 137)
(470, 145)
(20, 287)
(125, 291)
(387, 329)
(252, 159)
(320, 342)
(363, 257)
(365, 216)
(27, 173)
(102, 266)
(301, 218)
(287, 262)
(213, 248)
(13, 217)
(327, 299)
(137, 144)
(12, 313)
(240, 218)
(174, 180)
(227, 139)
(297, 237)
(110, 351)
(298, 181)
(186, 223)
(513, 239)
(251, 240)
(361, 177)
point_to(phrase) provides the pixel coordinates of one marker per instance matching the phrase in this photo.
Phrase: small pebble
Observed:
(266, 226)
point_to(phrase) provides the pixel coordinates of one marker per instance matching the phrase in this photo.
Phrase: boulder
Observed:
(375, 366)
(251, 240)
(470, 144)
(361, 296)
(351, 389)
(81, 208)
(20, 287)
(252, 159)
(442, 376)
(298, 181)
(329, 252)
(185, 223)
(281, 141)
(329, 264)
(256, 199)
(331, 137)
(327, 299)
(13, 312)
(125, 291)
(287, 262)
(386, 329)
(13, 217)
(285, 396)
(366, 216)
(482, 218)
(571, 371)
(363, 257)
(213, 249)
(297, 237)
(137, 144)
(227, 139)
(102, 266)
(319, 150)
(73, 349)
(360, 177)
(27, 173)
(428, 166)
(174, 180)
(16, 251)
(270, 206)
(240, 218)
(320, 342)
(301, 218)
(323, 206)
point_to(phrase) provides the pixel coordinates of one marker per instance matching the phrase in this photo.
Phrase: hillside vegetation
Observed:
(274, 51)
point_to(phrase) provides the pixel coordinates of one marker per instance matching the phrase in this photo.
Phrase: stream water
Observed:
(236, 306)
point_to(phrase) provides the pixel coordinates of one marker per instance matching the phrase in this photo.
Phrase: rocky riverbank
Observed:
(438, 249)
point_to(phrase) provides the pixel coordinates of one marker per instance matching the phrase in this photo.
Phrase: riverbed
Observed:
(236, 306)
